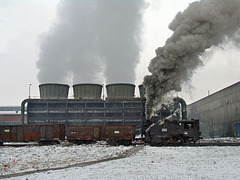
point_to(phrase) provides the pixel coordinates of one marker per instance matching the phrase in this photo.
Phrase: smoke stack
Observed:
(202, 25)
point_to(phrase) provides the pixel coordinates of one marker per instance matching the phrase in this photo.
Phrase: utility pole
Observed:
(29, 91)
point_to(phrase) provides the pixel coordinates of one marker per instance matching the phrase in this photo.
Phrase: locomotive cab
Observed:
(191, 130)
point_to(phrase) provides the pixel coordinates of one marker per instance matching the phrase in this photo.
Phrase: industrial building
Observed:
(219, 113)
(10, 115)
(88, 107)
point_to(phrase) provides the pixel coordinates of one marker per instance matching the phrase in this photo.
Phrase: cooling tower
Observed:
(53, 91)
(87, 91)
(142, 91)
(120, 90)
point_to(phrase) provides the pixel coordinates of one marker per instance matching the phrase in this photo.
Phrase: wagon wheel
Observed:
(112, 142)
(127, 142)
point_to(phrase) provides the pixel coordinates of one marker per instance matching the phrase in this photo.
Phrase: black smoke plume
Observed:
(202, 25)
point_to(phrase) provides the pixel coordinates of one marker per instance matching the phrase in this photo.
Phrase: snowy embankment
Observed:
(29, 158)
(210, 162)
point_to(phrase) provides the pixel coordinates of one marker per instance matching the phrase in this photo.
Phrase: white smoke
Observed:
(202, 25)
(93, 40)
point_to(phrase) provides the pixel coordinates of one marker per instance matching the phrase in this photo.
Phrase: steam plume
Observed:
(92, 40)
(202, 25)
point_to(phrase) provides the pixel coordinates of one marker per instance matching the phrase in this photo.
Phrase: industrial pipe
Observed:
(184, 106)
(23, 109)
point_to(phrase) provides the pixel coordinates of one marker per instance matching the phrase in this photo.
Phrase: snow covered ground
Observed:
(28, 158)
(210, 162)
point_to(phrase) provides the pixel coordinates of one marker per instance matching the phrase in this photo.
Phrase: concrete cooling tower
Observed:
(53, 91)
(120, 90)
(142, 91)
(87, 91)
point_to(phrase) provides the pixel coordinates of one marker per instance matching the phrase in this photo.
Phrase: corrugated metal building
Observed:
(219, 113)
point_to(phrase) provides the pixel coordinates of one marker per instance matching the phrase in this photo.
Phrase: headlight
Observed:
(164, 129)
(185, 132)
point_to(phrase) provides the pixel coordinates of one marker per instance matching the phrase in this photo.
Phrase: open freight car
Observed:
(54, 133)
(115, 135)
(43, 134)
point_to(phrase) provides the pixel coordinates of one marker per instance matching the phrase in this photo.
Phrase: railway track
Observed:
(125, 154)
(201, 143)
(209, 144)
(216, 144)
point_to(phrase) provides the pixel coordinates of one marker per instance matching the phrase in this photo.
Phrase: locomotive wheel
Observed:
(152, 143)
(157, 142)
(182, 140)
(177, 140)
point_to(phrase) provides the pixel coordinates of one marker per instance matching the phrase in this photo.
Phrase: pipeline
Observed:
(178, 100)
(23, 110)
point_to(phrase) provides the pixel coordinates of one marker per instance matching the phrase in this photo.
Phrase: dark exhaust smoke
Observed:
(93, 40)
(202, 25)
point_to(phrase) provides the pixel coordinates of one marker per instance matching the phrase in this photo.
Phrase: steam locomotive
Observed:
(173, 132)
(170, 127)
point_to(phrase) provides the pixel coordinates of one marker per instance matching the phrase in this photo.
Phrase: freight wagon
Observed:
(43, 134)
(54, 133)
(115, 135)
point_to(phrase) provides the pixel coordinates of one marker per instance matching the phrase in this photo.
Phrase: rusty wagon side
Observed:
(115, 135)
(50, 133)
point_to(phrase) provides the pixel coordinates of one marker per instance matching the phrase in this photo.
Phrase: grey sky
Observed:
(22, 22)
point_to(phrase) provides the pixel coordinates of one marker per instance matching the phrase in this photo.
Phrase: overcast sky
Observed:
(23, 22)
